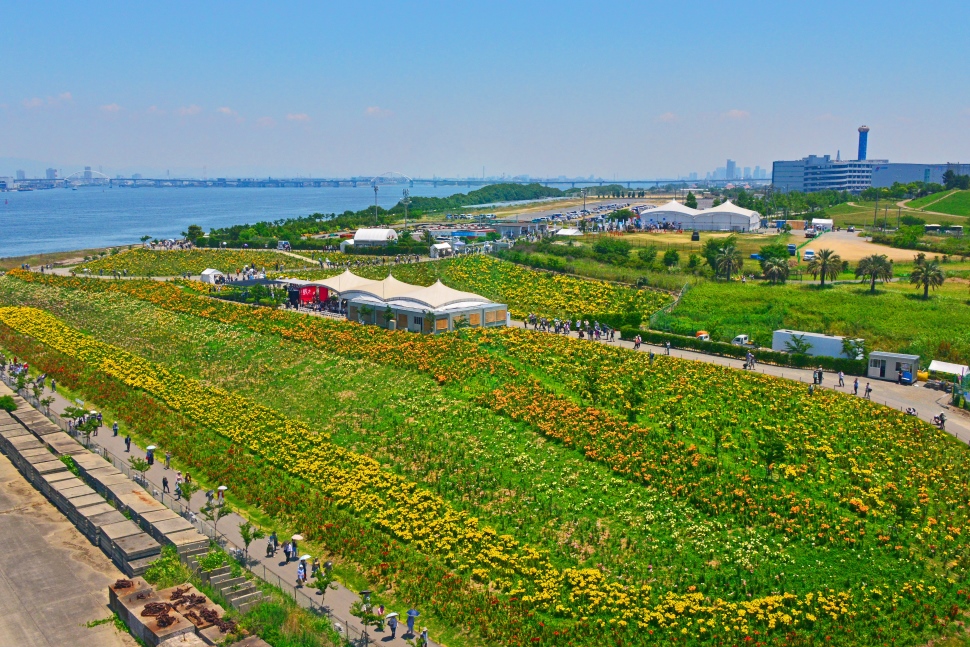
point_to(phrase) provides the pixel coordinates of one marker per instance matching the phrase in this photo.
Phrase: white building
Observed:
(374, 237)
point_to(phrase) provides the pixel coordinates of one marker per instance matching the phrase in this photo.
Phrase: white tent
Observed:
(950, 369)
(672, 211)
(365, 237)
(210, 275)
(440, 249)
(823, 223)
(569, 232)
(727, 216)
(344, 282)
(438, 296)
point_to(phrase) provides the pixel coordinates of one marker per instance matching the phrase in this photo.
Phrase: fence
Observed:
(668, 308)
(352, 632)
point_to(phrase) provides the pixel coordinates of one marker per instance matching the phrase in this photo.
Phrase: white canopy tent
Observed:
(823, 223)
(727, 216)
(569, 232)
(438, 296)
(210, 275)
(950, 369)
(673, 211)
(365, 237)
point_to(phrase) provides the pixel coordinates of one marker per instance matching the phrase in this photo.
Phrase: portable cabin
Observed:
(887, 366)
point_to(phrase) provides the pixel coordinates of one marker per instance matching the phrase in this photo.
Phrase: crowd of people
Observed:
(596, 331)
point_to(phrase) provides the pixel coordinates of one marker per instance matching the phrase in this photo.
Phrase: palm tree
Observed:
(826, 264)
(877, 267)
(729, 260)
(776, 270)
(927, 274)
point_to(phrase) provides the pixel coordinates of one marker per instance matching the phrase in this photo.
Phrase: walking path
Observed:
(275, 570)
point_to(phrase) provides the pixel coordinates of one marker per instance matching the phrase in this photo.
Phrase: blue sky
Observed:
(634, 89)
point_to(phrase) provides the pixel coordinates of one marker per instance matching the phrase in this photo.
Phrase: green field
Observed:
(956, 203)
(920, 203)
(895, 318)
(525, 488)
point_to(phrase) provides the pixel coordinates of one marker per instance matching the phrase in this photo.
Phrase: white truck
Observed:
(815, 344)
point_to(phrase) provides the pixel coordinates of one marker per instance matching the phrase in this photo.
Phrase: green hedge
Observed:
(849, 366)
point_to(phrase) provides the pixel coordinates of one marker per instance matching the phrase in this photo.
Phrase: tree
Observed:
(188, 488)
(140, 465)
(249, 534)
(214, 513)
(365, 613)
(671, 257)
(145, 239)
(926, 275)
(776, 270)
(797, 345)
(876, 267)
(323, 581)
(47, 402)
(690, 200)
(713, 245)
(853, 348)
(826, 264)
(729, 261)
(648, 254)
(194, 233)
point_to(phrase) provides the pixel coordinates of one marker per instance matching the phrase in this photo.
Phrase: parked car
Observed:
(741, 340)
(809, 255)
(703, 335)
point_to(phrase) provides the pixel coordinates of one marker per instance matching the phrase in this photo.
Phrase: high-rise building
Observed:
(863, 141)
(757, 172)
(747, 173)
(692, 176)
(52, 174)
(814, 173)
(884, 175)
(21, 175)
(731, 170)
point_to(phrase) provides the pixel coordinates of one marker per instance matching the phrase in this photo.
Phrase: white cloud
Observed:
(36, 102)
(298, 116)
(186, 111)
(155, 110)
(377, 111)
(667, 117)
(226, 111)
(63, 97)
(111, 107)
(737, 114)
(266, 122)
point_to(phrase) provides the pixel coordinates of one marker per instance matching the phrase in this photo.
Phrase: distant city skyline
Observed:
(545, 89)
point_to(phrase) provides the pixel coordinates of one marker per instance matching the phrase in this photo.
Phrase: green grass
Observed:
(956, 203)
(927, 200)
(895, 318)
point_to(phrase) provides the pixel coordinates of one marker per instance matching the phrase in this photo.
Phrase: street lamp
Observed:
(375, 204)
(407, 201)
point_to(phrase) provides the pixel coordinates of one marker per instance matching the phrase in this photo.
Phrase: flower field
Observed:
(146, 262)
(612, 499)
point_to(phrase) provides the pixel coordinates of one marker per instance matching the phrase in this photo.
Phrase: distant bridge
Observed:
(389, 178)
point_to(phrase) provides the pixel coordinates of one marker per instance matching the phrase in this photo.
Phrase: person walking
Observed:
(424, 637)
(868, 395)
(667, 347)
(178, 490)
(114, 428)
(128, 443)
(412, 614)
(168, 460)
(53, 386)
(841, 378)
(392, 624)
(855, 387)
(651, 357)
(165, 485)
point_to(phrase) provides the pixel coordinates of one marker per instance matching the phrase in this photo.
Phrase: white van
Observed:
(809, 255)
(741, 340)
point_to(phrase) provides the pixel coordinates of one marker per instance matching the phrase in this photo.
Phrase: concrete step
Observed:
(138, 567)
(228, 583)
(215, 581)
(244, 592)
(247, 602)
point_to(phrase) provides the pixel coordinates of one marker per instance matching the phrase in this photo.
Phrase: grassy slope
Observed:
(927, 200)
(412, 425)
(956, 204)
(895, 318)
(668, 537)
(144, 262)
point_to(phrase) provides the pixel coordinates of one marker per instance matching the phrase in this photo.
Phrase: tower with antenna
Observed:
(863, 141)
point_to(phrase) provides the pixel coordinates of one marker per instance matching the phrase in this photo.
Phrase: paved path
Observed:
(52, 580)
(272, 569)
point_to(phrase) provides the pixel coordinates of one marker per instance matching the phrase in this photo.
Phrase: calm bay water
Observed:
(56, 220)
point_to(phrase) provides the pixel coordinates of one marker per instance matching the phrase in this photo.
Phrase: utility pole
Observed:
(375, 204)
(584, 192)
(407, 201)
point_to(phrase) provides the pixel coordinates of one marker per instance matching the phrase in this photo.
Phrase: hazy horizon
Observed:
(545, 89)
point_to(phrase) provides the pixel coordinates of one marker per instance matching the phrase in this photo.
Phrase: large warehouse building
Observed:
(724, 217)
